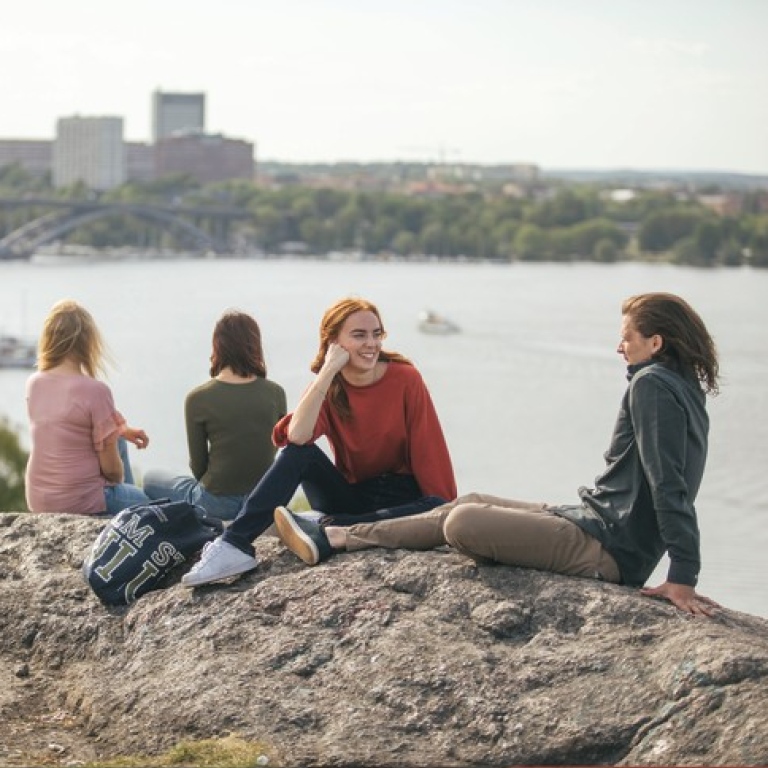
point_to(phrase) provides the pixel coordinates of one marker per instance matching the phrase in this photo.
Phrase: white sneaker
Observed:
(219, 561)
(312, 515)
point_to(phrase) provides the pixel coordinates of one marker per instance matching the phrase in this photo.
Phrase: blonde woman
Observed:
(78, 463)
(372, 405)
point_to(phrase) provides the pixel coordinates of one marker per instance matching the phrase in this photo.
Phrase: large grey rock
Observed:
(372, 659)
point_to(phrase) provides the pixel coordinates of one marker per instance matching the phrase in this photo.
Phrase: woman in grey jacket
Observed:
(641, 505)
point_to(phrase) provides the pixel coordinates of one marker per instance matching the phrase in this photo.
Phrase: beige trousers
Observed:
(492, 529)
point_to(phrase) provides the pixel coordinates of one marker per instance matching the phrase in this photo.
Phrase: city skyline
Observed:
(675, 84)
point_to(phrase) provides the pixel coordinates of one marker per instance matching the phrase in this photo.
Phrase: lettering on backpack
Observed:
(141, 545)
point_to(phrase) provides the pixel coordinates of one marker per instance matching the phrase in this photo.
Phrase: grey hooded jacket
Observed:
(642, 504)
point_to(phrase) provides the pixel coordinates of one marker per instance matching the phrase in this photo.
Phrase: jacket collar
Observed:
(633, 369)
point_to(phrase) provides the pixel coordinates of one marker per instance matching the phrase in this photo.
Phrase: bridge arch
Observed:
(24, 241)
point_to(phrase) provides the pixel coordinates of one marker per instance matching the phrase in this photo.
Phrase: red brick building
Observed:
(205, 157)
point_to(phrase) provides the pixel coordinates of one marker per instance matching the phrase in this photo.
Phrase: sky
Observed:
(563, 84)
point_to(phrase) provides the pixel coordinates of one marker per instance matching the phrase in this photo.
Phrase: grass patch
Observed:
(229, 752)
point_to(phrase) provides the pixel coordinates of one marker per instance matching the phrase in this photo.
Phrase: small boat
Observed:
(17, 353)
(432, 322)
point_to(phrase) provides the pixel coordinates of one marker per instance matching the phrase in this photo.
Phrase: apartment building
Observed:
(139, 161)
(89, 150)
(33, 155)
(207, 158)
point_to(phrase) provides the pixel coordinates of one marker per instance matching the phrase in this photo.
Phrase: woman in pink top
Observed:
(78, 463)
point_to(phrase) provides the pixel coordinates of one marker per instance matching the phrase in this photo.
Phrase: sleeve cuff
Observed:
(683, 573)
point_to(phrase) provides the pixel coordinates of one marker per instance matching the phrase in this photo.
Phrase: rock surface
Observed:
(372, 659)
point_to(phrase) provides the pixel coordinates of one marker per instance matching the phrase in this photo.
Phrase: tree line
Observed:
(556, 222)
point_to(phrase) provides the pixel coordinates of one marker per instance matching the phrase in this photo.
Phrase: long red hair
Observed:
(330, 328)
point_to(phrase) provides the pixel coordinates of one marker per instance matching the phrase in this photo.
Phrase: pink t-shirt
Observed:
(70, 416)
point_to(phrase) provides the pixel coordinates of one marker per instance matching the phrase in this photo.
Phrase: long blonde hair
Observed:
(330, 328)
(70, 331)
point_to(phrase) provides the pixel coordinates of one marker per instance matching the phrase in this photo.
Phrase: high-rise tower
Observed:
(174, 113)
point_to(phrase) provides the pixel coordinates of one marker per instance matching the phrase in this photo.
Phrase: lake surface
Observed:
(527, 392)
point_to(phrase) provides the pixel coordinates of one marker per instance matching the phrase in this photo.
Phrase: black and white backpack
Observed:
(141, 545)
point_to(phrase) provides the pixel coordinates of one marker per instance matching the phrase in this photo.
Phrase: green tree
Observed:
(404, 243)
(758, 241)
(531, 243)
(569, 206)
(15, 178)
(660, 230)
(731, 254)
(708, 237)
(687, 251)
(504, 236)
(581, 239)
(432, 240)
(13, 462)
(606, 251)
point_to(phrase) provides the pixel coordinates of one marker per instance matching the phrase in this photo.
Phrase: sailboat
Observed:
(16, 352)
(432, 322)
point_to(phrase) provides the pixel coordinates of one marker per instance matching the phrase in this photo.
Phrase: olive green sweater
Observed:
(229, 433)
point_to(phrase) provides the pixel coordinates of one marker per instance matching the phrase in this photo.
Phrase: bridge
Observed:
(68, 215)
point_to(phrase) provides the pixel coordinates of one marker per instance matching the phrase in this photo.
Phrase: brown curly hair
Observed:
(686, 345)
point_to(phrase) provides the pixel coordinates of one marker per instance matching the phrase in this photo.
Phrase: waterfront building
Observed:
(89, 150)
(174, 113)
(207, 158)
(33, 155)
(139, 161)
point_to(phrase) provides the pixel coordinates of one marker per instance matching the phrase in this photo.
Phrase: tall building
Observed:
(89, 149)
(174, 113)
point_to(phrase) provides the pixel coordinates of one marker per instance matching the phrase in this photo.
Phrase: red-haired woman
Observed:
(390, 455)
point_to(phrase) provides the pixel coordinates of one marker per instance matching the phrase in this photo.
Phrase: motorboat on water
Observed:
(17, 353)
(432, 322)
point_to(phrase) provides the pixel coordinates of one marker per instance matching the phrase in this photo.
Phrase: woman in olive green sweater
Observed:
(229, 422)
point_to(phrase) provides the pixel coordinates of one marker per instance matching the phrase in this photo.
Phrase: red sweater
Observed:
(394, 429)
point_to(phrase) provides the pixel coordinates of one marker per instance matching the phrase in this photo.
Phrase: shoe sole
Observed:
(294, 538)
(192, 580)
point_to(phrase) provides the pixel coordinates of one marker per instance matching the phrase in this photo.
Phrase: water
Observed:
(527, 393)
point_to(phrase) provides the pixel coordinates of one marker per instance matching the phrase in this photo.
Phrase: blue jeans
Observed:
(159, 484)
(380, 498)
(123, 495)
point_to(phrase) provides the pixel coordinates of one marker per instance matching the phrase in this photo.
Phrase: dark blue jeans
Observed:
(380, 498)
